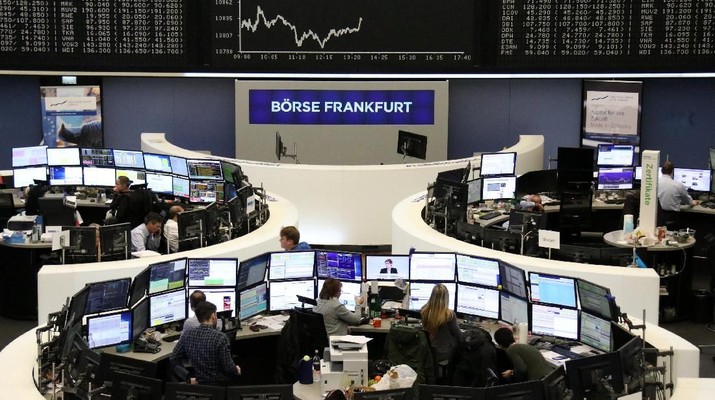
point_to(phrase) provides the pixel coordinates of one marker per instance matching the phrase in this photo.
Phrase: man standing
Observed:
(207, 349)
(171, 228)
(290, 239)
(147, 236)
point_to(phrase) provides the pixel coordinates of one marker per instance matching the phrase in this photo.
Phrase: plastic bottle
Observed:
(316, 367)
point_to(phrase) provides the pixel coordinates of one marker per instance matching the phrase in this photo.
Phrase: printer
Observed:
(22, 222)
(344, 364)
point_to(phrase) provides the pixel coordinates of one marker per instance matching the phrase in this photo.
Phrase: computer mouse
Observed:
(254, 328)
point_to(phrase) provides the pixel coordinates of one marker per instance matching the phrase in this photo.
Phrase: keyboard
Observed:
(708, 204)
(171, 338)
(614, 201)
(490, 215)
(565, 352)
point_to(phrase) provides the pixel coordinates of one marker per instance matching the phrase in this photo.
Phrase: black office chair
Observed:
(303, 334)
(7, 208)
(54, 212)
(410, 345)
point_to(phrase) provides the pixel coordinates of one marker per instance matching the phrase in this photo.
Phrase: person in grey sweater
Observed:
(336, 316)
(528, 362)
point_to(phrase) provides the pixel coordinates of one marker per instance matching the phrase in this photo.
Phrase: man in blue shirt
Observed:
(147, 236)
(290, 239)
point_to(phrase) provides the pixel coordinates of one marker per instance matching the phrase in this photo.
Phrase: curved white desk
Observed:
(57, 282)
(349, 204)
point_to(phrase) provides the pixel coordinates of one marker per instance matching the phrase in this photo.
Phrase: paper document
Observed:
(350, 339)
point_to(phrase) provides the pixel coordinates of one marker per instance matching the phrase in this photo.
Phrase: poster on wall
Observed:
(72, 116)
(611, 112)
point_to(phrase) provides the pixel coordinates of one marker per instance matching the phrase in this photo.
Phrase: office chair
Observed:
(7, 208)
(54, 212)
(410, 345)
(303, 334)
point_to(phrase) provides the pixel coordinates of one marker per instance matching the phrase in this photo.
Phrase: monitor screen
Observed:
(409, 144)
(23, 177)
(340, 265)
(474, 191)
(204, 272)
(574, 159)
(167, 307)
(639, 172)
(252, 300)
(694, 179)
(498, 164)
(477, 270)
(586, 375)
(615, 178)
(160, 183)
(512, 279)
(180, 187)
(128, 159)
(66, 176)
(432, 266)
(115, 241)
(499, 188)
(512, 309)
(165, 276)
(282, 295)
(552, 289)
(350, 291)
(291, 264)
(595, 332)
(478, 301)
(387, 267)
(107, 296)
(139, 287)
(97, 158)
(223, 298)
(61, 156)
(109, 329)
(205, 169)
(420, 293)
(140, 318)
(252, 270)
(78, 304)
(206, 191)
(27, 156)
(137, 177)
(594, 298)
(615, 155)
(99, 176)
(554, 321)
(157, 162)
(178, 166)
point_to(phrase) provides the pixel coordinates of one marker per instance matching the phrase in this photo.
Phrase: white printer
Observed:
(344, 365)
(22, 223)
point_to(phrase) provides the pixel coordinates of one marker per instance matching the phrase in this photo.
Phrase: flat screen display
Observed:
(223, 298)
(99, 176)
(107, 296)
(206, 191)
(291, 265)
(137, 177)
(420, 293)
(283, 295)
(512, 279)
(253, 300)
(205, 169)
(554, 321)
(512, 309)
(615, 178)
(499, 188)
(160, 183)
(432, 266)
(167, 275)
(66, 176)
(109, 329)
(140, 318)
(477, 270)
(498, 164)
(387, 267)
(350, 291)
(478, 301)
(594, 298)
(180, 187)
(339, 265)
(23, 177)
(97, 158)
(595, 332)
(252, 271)
(694, 179)
(59, 156)
(128, 159)
(157, 162)
(178, 166)
(615, 155)
(167, 307)
(206, 272)
(28, 156)
(474, 191)
(552, 289)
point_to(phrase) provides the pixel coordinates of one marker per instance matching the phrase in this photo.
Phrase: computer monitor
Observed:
(474, 191)
(107, 296)
(136, 177)
(615, 155)
(97, 157)
(499, 188)
(232, 173)
(128, 159)
(291, 264)
(263, 392)
(28, 156)
(512, 309)
(114, 241)
(180, 187)
(223, 298)
(497, 164)
(523, 221)
(386, 267)
(579, 253)
(594, 298)
(112, 364)
(432, 266)
(157, 162)
(252, 271)
(105, 177)
(127, 386)
(697, 180)
(633, 362)
(337, 264)
(393, 394)
(411, 145)
(191, 228)
(109, 329)
(512, 279)
(206, 191)
(554, 321)
(82, 246)
(574, 159)
(252, 300)
(529, 390)
(477, 301)
(477, 270)
(595, 376)
(350, 291)
(552, 289)
(23, 177)
(207, 272)
(167, 276)
(66, 176)
(420, 293)
(595, 332)
(282, 294)
(212, 222)
(556, 385)
(615, 178)
(140, 318)
(182, 391)
(167, 307)
(205, 170)
(440, 392)
(78, 304)
(160, 183)
(63, 156)
(178, 166)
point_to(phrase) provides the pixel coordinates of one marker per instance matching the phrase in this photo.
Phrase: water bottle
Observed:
(35, 237)
(316, 367)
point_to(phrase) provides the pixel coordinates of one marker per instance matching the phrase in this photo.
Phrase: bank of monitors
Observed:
(474, 191)
(63, 156)
(166, 308)
(512, 279)
(97, 157)
(477, 301)
(615, 155)
(555, 321)
(114, 241)
(432, 266)
(180, 187)
(99, 176)
(206, 191)
(179, 166)
(552, 289)
(595, 332)
(420, 293)
(586, 376)
(23, 177)
(223, 298)
(615, 178)
(387, 267)
(157, 162)
(28, 156)
(340, 265)
(513, 309)
(109, 329)
(283, 294)
(160, 183)
(167, 276)
(252, 300)
(208, 272)
(128, 159)
(477, 270)
(205, 169)
(252, 271)
(697, 180)
(350, 291)
(107, 296)
(595, 299)
(136, 177)
(497, 164)
(65, 176)
(499, 188)
(291, 265)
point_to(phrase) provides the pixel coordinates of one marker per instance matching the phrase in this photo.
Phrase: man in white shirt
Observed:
(171, 228)
(671, 195)
(147, 236)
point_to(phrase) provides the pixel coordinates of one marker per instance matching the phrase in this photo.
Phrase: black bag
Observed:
(477, 353)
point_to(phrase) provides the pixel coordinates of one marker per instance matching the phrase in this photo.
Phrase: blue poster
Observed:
(72, 116)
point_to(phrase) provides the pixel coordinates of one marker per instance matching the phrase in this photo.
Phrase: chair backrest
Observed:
(410, 345)
(303, 333)
(7, 208)
(312, 330)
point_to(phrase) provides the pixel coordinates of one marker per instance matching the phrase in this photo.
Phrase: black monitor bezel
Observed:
(238, 299)
(126, 300)
(194, 285)
(105, 315)
(411, 144)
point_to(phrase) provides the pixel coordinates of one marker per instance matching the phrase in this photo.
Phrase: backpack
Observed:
(472, 359)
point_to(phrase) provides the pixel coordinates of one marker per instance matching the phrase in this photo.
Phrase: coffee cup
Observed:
(377, 322)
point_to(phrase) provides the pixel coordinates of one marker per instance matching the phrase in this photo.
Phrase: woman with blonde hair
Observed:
(441, 324)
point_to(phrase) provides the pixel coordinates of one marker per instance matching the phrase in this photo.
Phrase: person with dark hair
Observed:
(119, 208)
(531, 202)
(207, 349)
(336, 316)
(671, 195)
(195, 298)
(290, 239)
(147, 236)
(171, 228)
(528, 362)
(441, 324)
(389, 269)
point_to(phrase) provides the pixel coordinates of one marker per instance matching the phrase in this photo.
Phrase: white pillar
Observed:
(650, 162)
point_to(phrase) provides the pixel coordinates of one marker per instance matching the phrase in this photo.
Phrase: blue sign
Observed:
(341, 107)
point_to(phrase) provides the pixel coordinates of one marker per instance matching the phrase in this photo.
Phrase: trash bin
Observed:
(702, 310)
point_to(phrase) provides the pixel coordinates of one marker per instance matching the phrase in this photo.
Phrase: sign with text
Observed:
(650, 162)
(611, 112)
(549, 239)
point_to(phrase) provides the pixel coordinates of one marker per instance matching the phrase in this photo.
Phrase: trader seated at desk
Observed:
(147, 236)
(290, 239)
(531, 202)
(197, 297)
(441, 324)
(528, 362)
(336, 316)
(671, 195)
